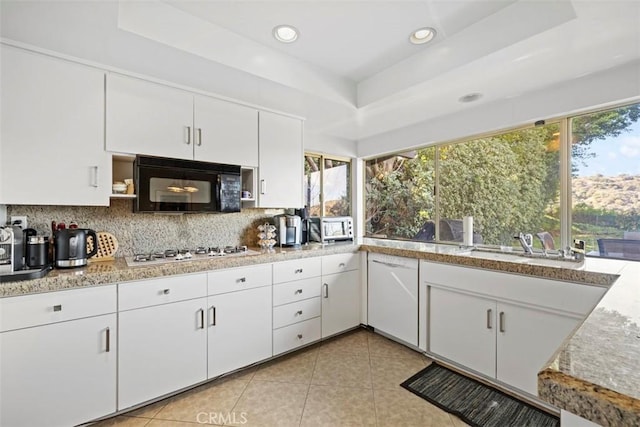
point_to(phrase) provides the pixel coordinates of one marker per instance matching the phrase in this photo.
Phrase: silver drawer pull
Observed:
(108, 341)
(326, 290)
(213, 315)
(502, 328)
(298, 291)
(201, 312)
(57, 307)
(299, 336)
(341, 265)
(166, 291)
(242, 280)
(299, 270)
(299, 313)
(489, 311)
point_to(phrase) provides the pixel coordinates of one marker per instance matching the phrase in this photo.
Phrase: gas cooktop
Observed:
(198, 254)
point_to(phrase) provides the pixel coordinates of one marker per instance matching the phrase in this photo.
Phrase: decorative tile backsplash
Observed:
(144, 233)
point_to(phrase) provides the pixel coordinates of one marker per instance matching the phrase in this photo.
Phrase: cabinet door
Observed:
(162, 349)
(340, 302)
(61, 374)
(527, 338)
(52, 132)
(280, 169)
(148, 118)
(393, 297)
(239, 329)
(225, 132)
(463, 329)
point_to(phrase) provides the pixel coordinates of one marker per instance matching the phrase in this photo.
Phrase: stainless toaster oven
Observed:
(331, 229)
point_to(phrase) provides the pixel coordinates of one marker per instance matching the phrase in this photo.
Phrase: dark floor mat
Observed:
(475, 403)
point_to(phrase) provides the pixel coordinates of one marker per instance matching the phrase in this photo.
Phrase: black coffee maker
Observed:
(70, 247)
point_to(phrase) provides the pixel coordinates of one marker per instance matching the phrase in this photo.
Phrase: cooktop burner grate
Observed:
(199, 253)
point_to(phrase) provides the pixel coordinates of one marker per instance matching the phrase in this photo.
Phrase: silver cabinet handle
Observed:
(201, 311)
(108, 340)
(298, 291)
(326, 290)
(213, 315)
(341, 265)
(502, 321)
(242, 280)
(57, 307)
(388, 264)
(299, 313)
(263, 186)
(489, 311)
(298, 270)
(166, 291)
(94, 176)
(199, 138)
(187, 135)
(299, 336)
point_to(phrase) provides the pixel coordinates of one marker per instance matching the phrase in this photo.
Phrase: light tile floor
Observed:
(350, 380)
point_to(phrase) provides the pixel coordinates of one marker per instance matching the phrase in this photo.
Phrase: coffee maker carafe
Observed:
(288, 230)
(71, 247)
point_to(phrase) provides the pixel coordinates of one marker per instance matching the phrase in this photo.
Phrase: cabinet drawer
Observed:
(285, 293)
(161, 291)
(338, 263)
(237, 279)
(41, 309)
(296, 269)
(296, 312)
(296, 335)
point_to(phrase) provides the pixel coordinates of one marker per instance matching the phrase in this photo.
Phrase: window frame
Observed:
(565, 196)
(323, 157)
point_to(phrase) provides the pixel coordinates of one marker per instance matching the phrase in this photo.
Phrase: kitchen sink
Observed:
(518, 258)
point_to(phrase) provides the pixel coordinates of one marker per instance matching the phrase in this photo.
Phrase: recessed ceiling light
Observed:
(285, 33)
(422, 35)
(470, 97)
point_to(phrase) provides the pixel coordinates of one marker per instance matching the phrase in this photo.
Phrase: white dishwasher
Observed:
(393, 296)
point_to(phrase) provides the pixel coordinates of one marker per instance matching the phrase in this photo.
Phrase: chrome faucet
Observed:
(526, 241)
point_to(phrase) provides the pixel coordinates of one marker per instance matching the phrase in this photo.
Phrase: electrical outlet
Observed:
(20, 220)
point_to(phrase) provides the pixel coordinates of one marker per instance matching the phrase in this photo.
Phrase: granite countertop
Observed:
(595, 374)
(108, 272)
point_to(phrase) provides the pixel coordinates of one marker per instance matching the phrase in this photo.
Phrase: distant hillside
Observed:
(617, 193)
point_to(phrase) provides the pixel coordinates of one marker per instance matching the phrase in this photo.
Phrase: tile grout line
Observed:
(304, 405)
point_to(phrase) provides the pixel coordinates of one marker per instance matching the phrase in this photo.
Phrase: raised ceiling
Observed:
(357, 53)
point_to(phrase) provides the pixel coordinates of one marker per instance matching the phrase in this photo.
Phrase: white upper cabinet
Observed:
(52, 132)
(148, 118)
(225, 132)
(281, 162)
(153, 119)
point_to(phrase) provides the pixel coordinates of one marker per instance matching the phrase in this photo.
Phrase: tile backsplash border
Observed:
(144, 232)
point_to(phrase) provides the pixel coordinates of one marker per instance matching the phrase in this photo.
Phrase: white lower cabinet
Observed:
(393, 296)
(296, 303)
(162, 349)
(63, 373)
(527, 340)
(502, 325)
(163, 337)
(463, 329)
(340, 302)
(239, 329)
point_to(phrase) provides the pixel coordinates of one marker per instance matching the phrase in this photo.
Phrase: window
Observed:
(605, 183)
(327, 185)
(511, 183)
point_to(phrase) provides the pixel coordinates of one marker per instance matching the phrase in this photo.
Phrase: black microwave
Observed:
(175, 185)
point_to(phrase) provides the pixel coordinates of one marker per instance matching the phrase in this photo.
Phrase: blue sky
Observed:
(615, 156)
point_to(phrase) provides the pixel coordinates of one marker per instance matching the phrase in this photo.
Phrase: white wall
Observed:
(324, 144)
(585, 93)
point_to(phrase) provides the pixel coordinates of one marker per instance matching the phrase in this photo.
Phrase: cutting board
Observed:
(107, 247)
